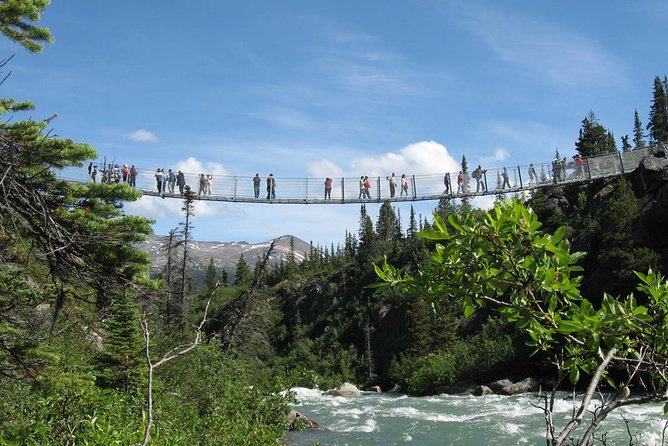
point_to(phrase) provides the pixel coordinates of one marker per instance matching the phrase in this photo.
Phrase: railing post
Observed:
(234, 190)
(519, 174)
(306, 197)
(378, 183)
(621, 161)
(587, 166)
(484, 178)
(343, 190)
(414, 188)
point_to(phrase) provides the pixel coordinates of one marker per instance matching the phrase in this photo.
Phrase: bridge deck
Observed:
(239, 189)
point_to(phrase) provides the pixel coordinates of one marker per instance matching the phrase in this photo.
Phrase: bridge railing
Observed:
(426, 186)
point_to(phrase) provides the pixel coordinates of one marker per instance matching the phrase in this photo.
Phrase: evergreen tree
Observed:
(211, 277)
(188, 209)
(367, 236)
(658, 114)
(412, 225)
(594, 139)
(121, 365)
(243, 275)
(386, 227)
(291, 264)
(15, 18)
(638, 134)
(543, 174)
(626, 145)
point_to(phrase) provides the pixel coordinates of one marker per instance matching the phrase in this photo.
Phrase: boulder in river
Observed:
(297, 421)
(345, 389)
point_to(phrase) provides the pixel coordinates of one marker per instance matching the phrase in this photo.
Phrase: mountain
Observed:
(225, 255)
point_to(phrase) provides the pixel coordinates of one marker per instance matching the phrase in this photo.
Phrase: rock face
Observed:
(345, 389)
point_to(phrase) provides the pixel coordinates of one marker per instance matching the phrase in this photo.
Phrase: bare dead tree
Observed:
(240, 308)
(170, 355)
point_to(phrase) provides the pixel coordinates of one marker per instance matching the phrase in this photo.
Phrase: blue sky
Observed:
(313, 88)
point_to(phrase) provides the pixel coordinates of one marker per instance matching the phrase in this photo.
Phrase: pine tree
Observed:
(386, 227)
(658, 114)
(211, 277)
(60, 241)
(594, 139)
(638, 134)
(367, 236)
(121, 365)
(626, 145)
(412, 225)
(291, 264)
(243, 275)
(15, 23)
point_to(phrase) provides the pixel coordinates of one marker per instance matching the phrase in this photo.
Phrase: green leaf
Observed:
(574, 375)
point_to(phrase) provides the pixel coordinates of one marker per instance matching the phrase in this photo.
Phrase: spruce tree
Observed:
(594, 139)
(658, 114)
(367, 237)
(638, 134)
(121, 365)
(243, 275)
(211, 277)
(626, 145)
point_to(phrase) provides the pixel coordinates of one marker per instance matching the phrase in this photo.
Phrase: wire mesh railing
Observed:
(358, 190)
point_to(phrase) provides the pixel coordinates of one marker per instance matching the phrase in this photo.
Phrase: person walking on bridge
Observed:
(532, 175)
(393, 184)
(460, 182)
(404, 185)
(256, 185)
(504, 174)
(446, 183)
(362, 193)
(132, 178)
(202, 185)
(171, 181)
(158, 180)
(328, 188)
(180, 181)
(271, 187)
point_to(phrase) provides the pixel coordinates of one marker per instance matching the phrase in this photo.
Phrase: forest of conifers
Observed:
(93, 350)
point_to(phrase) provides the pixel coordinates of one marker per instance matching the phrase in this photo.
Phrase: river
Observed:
(391, 419)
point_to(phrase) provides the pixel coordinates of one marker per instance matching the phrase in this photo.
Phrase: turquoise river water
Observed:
(391, 419)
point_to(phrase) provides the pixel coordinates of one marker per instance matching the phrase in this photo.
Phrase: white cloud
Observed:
(499, 155)
(423, 157)
(142, 135)
(543, 49)
(193, 165)
(323, 168)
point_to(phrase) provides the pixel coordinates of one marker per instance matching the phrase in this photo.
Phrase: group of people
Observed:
(113, 173)
(271, 186)
(403, 186)
(165, 181)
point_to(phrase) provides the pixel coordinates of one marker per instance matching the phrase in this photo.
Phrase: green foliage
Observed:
(15, 18)
(208, 400)
(121, 365)
(478, 358)
(594, 139)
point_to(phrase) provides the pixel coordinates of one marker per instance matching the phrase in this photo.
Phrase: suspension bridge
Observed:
(240, 189)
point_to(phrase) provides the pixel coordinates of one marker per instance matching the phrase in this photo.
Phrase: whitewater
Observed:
(393, 419)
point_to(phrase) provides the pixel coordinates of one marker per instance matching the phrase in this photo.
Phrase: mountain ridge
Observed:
(225, 255)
